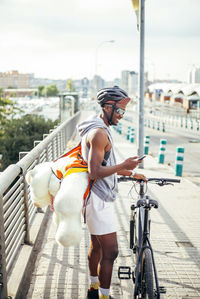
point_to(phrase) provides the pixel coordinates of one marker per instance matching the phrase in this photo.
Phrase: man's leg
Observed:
(109, 249)
(94, 255)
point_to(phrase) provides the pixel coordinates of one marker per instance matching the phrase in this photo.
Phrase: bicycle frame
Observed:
(140, 241)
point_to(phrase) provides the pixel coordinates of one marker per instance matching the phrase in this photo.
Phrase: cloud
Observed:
(178, 18)
(61, 36)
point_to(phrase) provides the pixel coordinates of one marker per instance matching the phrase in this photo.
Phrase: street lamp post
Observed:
(139, 8)
(96, 59)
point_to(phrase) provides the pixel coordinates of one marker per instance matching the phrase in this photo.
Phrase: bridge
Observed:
(32, 265)
(17, 213)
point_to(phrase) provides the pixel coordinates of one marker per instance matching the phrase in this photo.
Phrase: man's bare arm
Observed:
(98, 142)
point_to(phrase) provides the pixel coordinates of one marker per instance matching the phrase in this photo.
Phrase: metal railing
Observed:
(16, 209)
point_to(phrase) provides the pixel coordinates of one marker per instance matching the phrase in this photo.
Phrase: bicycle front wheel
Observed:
(147, 281)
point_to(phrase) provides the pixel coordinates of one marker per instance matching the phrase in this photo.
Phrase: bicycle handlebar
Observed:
(159, 181)
(167, 180)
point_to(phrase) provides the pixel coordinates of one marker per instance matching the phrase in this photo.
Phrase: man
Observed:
(97, 151)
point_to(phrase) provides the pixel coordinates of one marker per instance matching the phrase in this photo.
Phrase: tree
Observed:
(7, 110)
(19, 135)
(41, 90)
(52, 90)
(1, 92)
(70, 85)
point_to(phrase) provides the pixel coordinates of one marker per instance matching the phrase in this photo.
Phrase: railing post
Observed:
(36, 142)
(27, 235)
(3, 272)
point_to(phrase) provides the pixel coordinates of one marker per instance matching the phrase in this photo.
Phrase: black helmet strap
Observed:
(109, 119)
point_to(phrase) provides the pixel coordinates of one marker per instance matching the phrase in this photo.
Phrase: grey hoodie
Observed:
(105, 188)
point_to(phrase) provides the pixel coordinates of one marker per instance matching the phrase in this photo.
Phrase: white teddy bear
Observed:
(68, 199)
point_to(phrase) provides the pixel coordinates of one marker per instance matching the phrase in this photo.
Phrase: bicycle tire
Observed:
(147, 284)
(132, 234)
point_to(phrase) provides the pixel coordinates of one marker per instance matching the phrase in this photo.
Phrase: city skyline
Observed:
(61, 40)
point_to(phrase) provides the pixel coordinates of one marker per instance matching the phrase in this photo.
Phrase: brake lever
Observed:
(169, 184)
(161, 184)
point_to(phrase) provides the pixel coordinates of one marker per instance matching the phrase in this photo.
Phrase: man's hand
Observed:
(140, 176)
(131, 163)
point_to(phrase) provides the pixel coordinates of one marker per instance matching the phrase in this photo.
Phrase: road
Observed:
(175, 137)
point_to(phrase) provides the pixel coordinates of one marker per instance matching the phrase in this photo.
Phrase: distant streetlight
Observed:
(96, 57)
(139, 8)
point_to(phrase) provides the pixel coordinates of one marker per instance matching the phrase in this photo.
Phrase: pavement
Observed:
(63, 273)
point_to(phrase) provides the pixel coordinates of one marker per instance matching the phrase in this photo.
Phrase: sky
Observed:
(63, 39)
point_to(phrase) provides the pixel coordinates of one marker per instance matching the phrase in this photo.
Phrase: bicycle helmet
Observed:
(112, 96)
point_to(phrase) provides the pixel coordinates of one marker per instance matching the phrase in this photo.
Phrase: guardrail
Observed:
(16, 209)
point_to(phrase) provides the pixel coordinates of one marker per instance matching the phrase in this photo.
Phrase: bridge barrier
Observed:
(161, 156)
(146, 145)
(179, 161)
(162, 123)
(128, 133)
(119, 128)
(17, 212)
(197, 125)
(132, 135)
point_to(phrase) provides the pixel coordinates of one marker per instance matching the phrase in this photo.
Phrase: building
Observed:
(132, 84)
(98, 82)
(184, 95)
(129, 82)
(60, 84)
(124, 80)
(194, 75)
(14, 79)
(20, 92)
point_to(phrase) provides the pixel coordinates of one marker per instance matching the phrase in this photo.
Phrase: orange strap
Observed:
(76, 164)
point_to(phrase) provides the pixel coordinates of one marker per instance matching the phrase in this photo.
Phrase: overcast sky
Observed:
(63, 39)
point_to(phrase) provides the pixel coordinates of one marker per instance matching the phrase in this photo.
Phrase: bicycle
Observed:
(145, 275)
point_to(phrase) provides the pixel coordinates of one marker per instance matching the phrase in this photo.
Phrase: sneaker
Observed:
(93, 292)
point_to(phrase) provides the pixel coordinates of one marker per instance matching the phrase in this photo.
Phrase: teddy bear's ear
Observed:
(28, 176)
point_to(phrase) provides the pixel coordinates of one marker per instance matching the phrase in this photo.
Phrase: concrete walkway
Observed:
(62, 272)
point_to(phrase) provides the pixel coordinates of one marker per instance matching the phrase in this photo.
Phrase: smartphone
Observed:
(141, 158)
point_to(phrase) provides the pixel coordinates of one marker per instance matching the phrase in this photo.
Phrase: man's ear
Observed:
(107, 108)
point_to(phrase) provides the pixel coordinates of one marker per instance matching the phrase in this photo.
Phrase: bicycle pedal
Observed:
(162, 290)
(124, 272)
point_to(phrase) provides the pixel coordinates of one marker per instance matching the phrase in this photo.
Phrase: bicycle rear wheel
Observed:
(147, 281)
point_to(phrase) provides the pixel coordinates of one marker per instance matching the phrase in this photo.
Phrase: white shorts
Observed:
(100, 216)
